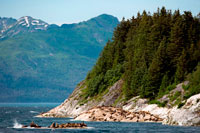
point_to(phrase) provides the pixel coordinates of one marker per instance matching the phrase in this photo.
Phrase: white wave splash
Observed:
(16, 124)
(7, 112)
(90, 128)
(72, 120)
(34, 112)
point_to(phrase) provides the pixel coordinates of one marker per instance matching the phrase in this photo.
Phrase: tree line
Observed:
(150, 52)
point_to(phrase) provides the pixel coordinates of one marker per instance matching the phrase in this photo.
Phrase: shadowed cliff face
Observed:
(45, 65)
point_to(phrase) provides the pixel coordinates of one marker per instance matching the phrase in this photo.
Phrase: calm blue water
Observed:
(24, 114)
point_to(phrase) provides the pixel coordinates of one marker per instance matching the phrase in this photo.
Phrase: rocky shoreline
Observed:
(103, 113)
(187, 115)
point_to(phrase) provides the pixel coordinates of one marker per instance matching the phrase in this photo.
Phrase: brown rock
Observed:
(83, 125)
(141, 116)
(147, 117)
(101, 119)
(141, 120)
(116, 114)
(78, 125)
(24, 126)
(52, 125)
(68, 125)
(61, 125)
(135, 119)
(32, 124)
(64, 126)
(57, 125)
(72, 124)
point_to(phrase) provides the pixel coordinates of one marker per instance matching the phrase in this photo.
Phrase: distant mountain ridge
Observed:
(11, 27)
(43, 63)
(6, 23)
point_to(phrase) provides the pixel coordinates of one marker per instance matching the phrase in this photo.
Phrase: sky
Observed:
(73, 11)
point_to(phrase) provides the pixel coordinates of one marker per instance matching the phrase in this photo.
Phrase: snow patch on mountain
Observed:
(26, 20)
(35, 22)
(31, 22)
(22, 25)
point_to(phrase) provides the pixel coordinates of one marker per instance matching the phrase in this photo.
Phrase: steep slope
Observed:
(44, 65)
(151, 54)
(75, 106)
(152, 64)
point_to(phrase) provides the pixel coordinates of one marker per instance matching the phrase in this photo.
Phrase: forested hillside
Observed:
(152, 53)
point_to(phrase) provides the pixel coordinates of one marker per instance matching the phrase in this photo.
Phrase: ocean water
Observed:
(13, 115)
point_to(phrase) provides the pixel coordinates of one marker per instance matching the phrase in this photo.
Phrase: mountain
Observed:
(11, 27)
(43, 63)
(152, 65)
(5, 24)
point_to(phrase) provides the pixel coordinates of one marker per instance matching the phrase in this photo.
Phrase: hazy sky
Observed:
(72, 11)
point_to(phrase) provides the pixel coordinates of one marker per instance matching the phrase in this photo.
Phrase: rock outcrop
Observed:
(53, 125)
(187, 115)
(72, 106)
(104, 113)
(32, 124)
(68, 125)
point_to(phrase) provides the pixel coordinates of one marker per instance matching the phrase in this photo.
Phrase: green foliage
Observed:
(94, 85)
(165, 90)
(156, 51)
(113, 75)
(194, 85)
(181, 104)
(171, 87)
(100, 83)
(119, 99)
(175, 96)
(163, 87)
(178, 101)
(185, 87)
(160, 104)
